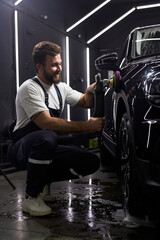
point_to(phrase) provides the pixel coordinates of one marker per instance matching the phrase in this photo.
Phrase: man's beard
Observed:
(52, 78)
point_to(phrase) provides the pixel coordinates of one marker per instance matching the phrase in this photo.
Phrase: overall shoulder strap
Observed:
(59, 96)
(45, 93)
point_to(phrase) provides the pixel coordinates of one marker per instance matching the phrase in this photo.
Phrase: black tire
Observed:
(131, 192)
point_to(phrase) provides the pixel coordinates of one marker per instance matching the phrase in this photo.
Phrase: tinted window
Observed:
(147, 42)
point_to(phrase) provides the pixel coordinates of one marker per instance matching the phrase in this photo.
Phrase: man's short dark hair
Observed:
(42, 49)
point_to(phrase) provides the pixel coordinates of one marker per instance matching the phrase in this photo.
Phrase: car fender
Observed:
(120, 106)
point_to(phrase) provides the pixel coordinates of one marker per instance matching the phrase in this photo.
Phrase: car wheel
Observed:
(131, 194)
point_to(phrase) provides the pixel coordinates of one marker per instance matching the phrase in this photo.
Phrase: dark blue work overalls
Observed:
(38, 151)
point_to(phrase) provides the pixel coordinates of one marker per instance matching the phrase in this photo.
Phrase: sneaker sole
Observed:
(36, 214)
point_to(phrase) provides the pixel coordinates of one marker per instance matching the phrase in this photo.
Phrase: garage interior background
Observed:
(30, 21)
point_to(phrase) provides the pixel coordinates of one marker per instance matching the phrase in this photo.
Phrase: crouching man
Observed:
(34, 146)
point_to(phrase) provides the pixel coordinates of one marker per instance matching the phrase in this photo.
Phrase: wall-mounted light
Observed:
(17, 2)
(16, 48)
(148, 6)
(111, 25)
(88, 74)
(67, 73)
(88, 15)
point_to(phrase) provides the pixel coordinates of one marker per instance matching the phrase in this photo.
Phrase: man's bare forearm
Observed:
(64, 126)
(45, 121)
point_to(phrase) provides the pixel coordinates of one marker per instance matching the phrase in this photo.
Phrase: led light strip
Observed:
(16, 48)
(149, 6)
(88, 75)
(147, 39)
(111, 25)
(87, 16)
(68, 73)
(17, 2)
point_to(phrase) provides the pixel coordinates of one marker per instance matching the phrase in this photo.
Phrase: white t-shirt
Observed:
(31, 99)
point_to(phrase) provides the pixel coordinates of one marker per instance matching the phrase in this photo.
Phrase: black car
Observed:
(130, 103)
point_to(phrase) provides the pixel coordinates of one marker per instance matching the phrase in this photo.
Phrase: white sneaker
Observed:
(46, 195)
(36, 206)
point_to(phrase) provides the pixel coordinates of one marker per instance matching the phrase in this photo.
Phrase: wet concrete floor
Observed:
(85, 209)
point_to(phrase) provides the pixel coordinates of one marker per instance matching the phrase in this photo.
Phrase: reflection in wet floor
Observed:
(89, 208)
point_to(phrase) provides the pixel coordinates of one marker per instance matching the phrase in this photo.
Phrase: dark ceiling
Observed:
(63, 13)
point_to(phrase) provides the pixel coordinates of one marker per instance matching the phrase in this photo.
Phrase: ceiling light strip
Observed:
(67, 73)
(17, 2)
(111, 25)
(16, 48)
(88, 75)
(148, 6)
(87, 16)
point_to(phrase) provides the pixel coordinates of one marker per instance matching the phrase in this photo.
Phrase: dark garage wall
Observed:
(7, 70)
(31, 32)
(78, 77)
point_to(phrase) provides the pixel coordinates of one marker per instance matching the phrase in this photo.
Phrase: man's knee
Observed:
(45, 145)
(48, 139)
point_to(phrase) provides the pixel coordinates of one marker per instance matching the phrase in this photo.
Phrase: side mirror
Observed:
(107, 62)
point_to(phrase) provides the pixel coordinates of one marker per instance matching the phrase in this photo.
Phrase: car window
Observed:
(147, 42)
